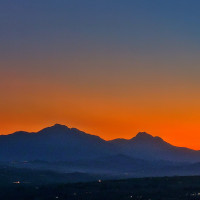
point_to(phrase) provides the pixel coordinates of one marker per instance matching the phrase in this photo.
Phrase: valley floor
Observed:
(164, 188)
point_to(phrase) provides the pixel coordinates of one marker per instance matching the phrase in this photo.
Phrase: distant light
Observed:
(17, 182)
(99, 181)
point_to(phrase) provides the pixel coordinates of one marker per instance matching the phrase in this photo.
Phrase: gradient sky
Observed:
(108, 67)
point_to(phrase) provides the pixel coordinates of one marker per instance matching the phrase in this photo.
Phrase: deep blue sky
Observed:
(141, 26)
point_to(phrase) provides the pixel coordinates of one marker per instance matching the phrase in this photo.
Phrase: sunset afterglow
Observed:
(108, 69)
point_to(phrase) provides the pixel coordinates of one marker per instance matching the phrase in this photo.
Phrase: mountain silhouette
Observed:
(145, 146)
(61, 143)
(53, 143)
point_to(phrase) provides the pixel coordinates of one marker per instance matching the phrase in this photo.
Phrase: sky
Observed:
(111, 68)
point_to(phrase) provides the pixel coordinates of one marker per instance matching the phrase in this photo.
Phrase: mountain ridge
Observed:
(59, 142)
(61, 127)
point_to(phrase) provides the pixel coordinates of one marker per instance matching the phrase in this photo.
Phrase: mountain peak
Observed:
(59, 126)
(55, 128)
(143, 136)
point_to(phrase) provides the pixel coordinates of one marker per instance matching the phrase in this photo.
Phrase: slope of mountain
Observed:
(146, 146)
(52, 144)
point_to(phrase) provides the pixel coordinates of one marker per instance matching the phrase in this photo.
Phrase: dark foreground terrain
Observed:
(165, 188)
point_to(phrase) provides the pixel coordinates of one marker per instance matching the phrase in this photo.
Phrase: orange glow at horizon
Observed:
(109, 116)
(117, 106)
(176, 136)
(112, 102)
